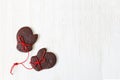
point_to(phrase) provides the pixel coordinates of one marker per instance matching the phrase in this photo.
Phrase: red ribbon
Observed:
(25, 48)
(22, 42)
(42, 60)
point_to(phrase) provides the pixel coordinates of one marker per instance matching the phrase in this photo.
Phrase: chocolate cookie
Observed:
(43, 60)
(25, 39)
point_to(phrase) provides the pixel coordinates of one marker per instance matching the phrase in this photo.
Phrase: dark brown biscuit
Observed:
(25, 39)
(43, 60)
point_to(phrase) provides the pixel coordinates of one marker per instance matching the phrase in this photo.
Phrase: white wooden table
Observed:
(78, 31)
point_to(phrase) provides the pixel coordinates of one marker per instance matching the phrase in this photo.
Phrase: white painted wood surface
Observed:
(78, 31)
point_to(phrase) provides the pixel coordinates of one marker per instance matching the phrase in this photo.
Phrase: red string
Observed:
(22, 42)
(24, 47)
(42, 60)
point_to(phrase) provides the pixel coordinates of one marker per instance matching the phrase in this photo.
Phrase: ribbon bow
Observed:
(23, 44)
(42, 60)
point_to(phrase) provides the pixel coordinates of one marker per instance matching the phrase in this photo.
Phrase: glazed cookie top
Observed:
(25, 39)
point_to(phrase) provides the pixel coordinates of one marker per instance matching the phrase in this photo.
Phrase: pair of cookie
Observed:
(25, 41)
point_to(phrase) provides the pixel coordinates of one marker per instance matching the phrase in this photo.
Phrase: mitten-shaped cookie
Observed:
(25, 39)
(43, 60)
